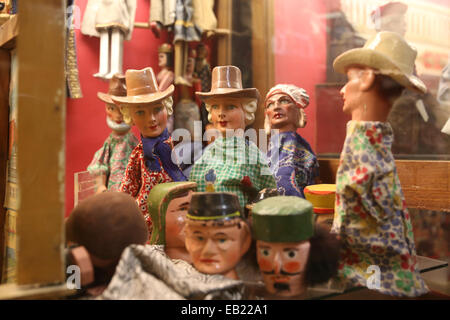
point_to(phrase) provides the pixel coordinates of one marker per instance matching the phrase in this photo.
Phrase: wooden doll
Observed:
(231, 163)
(371, 216)
(150, 163)
(165, 62)
(110, 161)
(292, 160)
(216, 235)
(111, 21)
(168, 204)
(292, 254)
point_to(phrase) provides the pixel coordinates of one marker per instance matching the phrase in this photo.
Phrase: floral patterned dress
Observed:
(371, 217)
(138, 180)
(292, 162)
(112, 158)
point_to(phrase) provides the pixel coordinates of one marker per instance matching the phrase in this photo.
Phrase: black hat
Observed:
(214, 206)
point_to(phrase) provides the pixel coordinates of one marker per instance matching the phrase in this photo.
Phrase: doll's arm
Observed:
(131, 181)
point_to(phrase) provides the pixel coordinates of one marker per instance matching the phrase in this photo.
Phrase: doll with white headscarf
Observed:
(291, 159)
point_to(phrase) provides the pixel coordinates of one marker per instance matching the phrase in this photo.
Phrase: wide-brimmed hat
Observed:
(207, 206)
(227, 82)
(142, 88)
(117, 87)
(389, 54)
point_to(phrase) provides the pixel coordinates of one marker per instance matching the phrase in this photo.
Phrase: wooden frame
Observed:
(41, 153)
(263, 61)
(425, 184)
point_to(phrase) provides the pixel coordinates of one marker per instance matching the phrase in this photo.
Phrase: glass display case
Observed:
(52, 124)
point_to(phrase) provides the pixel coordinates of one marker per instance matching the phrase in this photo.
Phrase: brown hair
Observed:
(323, 259)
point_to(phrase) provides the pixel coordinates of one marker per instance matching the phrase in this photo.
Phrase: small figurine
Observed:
(165, 62)
(187, 109)
(322, 197)
(168, 204)
(150, 162)
(236, 164)
(105, 224)
(291, 158)
(109, 162)
(390, 17)
(216, 235)
(292, 254)
(371, 216)
(112, 21)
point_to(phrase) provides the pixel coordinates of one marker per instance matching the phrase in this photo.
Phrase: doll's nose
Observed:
(277, 263)
(209, 248)
(342, 92)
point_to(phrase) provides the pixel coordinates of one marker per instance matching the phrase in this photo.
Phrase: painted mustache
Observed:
(282, 272)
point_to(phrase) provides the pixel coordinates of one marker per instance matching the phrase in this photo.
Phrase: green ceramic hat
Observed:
(158, 201)
(214, 206)
(283, 219)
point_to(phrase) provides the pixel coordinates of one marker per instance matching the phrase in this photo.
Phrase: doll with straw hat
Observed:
(371, 217)
(150, 163)
(231, 163)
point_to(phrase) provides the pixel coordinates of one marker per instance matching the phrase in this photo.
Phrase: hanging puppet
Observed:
(112, 21)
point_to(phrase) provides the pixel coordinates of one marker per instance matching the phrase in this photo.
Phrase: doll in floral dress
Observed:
(371, 216)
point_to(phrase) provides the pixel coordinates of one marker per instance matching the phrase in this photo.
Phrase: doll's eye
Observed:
(221, 240)
(270, 105)
(290, 254)
(265, 252)
(215, 107)
(140, 113)
(158, 109)
(231, 107)
(285, 101)
(199, 238)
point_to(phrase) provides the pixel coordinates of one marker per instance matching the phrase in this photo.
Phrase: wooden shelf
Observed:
(8, 32)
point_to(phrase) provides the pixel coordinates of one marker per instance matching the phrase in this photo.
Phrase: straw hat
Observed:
(227, 82)
(389, 54)
(165, 48)
(117, 87)
(142, 88)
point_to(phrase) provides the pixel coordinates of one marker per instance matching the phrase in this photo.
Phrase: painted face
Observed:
(216, 249)
(151, 120)
(282, 266)
(113, 112)
(176, 220)
(227, 113)
(162, 60)
(351, 93)
(282, 112)
(190, 66)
